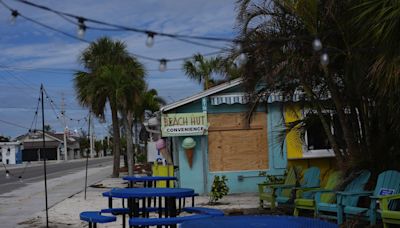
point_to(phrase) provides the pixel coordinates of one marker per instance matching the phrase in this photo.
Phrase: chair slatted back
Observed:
(311, 179)
(331, 184)
(291, 179)
(357, 185)
(388, 183)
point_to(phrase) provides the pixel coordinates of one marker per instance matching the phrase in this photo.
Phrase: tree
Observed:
(359, 84)
(105, 69)
(128, 96)
(201, 69)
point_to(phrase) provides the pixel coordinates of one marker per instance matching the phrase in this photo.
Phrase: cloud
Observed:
(29, 45)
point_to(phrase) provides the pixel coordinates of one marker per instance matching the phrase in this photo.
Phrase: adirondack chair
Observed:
(330, 210)
(388, 183)
(267, 191)
(309, 203)
(389, 216)
(311, 179)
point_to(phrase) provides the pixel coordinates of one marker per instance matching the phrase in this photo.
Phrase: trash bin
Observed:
(164, 171)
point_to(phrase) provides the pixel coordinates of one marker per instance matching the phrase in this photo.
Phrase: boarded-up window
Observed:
(234, 147)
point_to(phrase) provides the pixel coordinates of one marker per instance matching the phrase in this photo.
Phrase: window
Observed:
(316, 141)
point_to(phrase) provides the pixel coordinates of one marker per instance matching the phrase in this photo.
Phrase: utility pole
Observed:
(65, 127)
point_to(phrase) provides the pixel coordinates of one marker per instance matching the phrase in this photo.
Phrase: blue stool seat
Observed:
(115, 211)
(165, 221)
(204, 210)
(96, 217)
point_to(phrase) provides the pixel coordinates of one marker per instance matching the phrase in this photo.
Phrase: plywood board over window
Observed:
(233, 146)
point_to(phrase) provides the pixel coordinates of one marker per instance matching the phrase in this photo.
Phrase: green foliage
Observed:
(219, 189)
(273, 179)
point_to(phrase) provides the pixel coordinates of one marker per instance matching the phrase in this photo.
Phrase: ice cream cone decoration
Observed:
(189, 144)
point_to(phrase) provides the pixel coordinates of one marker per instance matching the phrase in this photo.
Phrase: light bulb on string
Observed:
(324, 59)
(243, 58)
(20, 179)
(316, 44)
(150, 39)
(81, 27)
(163, 65)
(14, 15)
(7, 174)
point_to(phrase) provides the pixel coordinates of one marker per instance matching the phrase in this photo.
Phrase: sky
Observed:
(31, 55)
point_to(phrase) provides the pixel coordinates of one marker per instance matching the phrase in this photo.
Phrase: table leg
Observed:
(171, 208)
(110, 202)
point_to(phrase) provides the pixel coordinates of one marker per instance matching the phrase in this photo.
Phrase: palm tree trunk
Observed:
(129, 141)
(116, 140)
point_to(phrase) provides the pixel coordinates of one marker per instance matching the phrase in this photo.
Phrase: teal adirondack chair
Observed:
(309, 203)
(330, 210)
(388, 215)
(388, 183)
(267, 191)
(311, 179)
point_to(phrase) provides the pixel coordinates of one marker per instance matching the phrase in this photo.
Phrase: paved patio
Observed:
(66, 213)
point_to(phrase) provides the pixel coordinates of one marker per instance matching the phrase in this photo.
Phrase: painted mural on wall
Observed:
(184, 124)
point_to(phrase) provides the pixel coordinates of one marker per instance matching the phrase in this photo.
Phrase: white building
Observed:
(11, 152)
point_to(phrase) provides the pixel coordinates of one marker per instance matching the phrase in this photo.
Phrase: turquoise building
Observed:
(224, 143)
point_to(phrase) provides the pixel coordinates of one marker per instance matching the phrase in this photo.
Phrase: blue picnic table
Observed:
(257, 222)
(148, 181)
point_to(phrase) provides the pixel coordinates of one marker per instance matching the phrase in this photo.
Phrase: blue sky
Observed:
(31, 55)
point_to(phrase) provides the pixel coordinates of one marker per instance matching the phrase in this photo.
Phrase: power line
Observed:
(13, 124)
(16, 13)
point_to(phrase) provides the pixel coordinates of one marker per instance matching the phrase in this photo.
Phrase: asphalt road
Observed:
(34, 172)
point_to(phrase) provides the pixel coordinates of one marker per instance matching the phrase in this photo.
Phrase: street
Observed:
(34, 172)
(20, 201)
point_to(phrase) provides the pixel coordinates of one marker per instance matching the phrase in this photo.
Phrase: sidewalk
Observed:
(66, 213)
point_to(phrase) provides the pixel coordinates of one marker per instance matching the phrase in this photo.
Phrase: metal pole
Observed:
(44, 159)
(87, 157)
(91, 136)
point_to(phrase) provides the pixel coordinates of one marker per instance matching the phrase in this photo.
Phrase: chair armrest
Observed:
(384, 200)
(285, 186)
(365, 193)
(388, 197)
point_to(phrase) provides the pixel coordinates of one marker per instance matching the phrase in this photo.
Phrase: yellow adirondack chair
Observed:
(267, 191)
(389, 216)
(302, 203)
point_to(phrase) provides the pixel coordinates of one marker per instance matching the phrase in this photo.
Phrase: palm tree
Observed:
(361, 39)
(105, 71)
(129, 97)
(201, 69)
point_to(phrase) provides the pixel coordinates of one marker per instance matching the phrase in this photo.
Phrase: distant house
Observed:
(54, 146)
(226, 145)
(11, 152)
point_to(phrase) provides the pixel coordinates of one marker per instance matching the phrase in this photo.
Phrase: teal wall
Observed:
(200, 179)
(192, 177)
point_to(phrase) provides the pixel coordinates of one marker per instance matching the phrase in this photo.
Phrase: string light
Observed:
(163, 65)
(81, 27)
(20, 179)
(316, 44)
(324, 59)
(14, 15)
(150, 39)
(7, 174)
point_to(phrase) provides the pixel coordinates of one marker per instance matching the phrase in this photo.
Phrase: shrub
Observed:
(219, 189)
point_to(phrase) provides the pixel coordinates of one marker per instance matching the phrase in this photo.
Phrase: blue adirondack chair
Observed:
(331, 210)
(311, 179)
(388, 183)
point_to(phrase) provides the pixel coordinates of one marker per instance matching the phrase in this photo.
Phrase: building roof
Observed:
(200, 95)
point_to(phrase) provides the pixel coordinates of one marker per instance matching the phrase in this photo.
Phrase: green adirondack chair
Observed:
(309, 203)
(388, 183)
(330, 209)
(311, 179)
(389, 216)
(267, 191)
